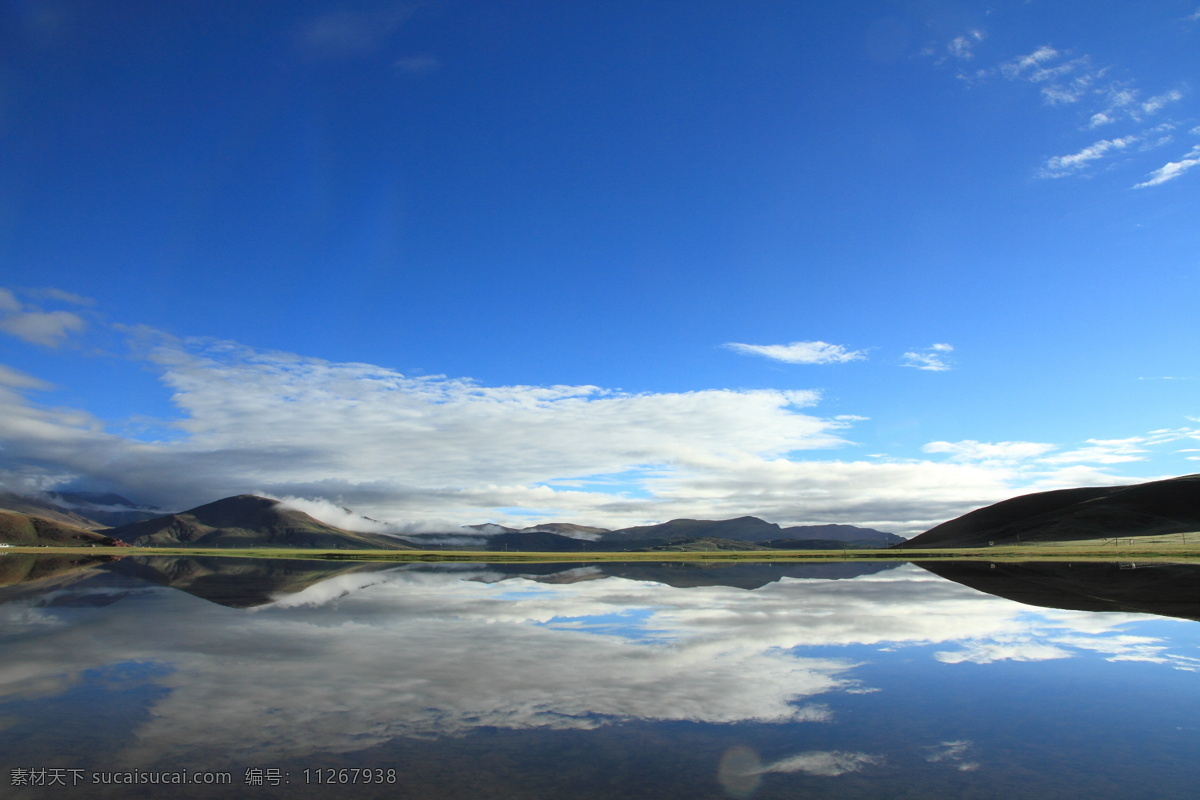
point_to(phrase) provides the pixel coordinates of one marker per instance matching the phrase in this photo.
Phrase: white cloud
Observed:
(953, 753)
(1115, 451)
(1172, 170)
(401, 448)
(1020, 65)
(1102, 99)
(990, 452)
(825, 763)
(1156, 104)
(963, 47)
(65, 297)
(801, 352)
(993, 651)
(1059, 166)
(31, 324)
(933, 358)
(1043, 456)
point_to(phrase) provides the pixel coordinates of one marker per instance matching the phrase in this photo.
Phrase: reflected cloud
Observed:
(988, 652)
(829, 764)
(952, 754)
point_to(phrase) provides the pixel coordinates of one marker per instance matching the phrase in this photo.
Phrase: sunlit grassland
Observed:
(1172, 547)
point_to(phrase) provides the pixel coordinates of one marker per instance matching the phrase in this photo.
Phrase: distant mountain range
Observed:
(248, 521)
(1095, 512)
(1145, 509)
(750, 529)
(90, 510)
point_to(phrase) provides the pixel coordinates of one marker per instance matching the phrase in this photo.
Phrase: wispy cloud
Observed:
(801, 352)
(933, 358)
(827, 763)
(1060, 166)
(1068, 80)
(1064, 82)
(1171, 170)
(953, 753)
(963, 47)
(349, 33)
(971, 451)
(65, 297)
(15, 379)
(417, 65)
(1032, 61)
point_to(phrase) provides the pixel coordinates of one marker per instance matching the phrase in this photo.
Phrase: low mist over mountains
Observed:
(247, 521)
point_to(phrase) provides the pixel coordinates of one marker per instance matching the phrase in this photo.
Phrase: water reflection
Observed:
(1170, 590)
(284, 664)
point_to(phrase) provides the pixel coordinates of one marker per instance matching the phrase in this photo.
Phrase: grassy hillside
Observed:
(45, 509)
(1155, 508)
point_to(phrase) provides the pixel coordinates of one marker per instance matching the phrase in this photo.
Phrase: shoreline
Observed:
(1048, 552)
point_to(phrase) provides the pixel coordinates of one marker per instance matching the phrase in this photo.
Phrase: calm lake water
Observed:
(306, 679)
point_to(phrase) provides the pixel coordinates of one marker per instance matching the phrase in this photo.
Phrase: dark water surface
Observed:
(298, 679)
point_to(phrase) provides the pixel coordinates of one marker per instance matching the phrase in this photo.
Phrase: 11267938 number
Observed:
(349, 775)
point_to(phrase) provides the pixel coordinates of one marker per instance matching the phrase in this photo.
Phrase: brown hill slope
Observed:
(1144, 509)
(47, 509)
(25, 530)
(248, 521)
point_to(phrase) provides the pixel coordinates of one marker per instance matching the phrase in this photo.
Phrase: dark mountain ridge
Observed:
(1094, 512)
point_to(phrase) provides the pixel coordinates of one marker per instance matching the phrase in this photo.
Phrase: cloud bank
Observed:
(371, 449)
(423, 453)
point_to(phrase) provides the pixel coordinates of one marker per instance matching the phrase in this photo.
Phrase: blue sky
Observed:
(875, 263)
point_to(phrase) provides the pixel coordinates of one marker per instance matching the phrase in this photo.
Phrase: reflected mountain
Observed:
(1168, 590)
(237, 582)
(102, 580)
(24, 576)
(246, 582)
(689, 575)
